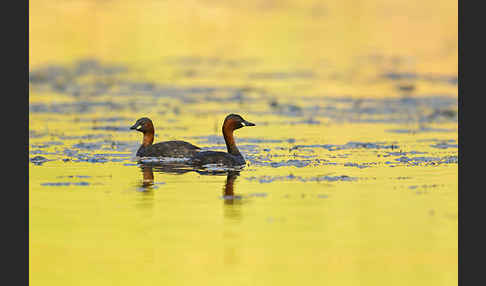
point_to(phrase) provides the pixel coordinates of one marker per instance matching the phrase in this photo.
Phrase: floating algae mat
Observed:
(351, 175)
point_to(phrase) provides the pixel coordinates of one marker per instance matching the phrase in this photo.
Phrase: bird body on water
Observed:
(231, 158)
(173, 149)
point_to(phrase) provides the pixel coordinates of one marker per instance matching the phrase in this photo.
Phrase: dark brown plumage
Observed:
(233, 157)
(172, 149)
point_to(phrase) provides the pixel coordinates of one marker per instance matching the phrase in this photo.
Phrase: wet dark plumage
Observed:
(172, 149)
(233, 157)
(217, 157)
(175, 149)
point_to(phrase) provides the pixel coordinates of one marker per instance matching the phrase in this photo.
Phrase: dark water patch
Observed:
(309, 121)
(121, 146)
(95, 67)
(444, 145)
(38, 160)
(287, 109)
(422, 130)
(107, 145)
(54, 143)
(188, 95)
(92, 159)
(238, 95)
(282, 75)
(55, 73)
(390, 164)
(51, 73)
(61, 184)
(448, 79)
(349, 145)
(400, 153)
(115, 155)
(339, 156)
(425, 186)
(39, 146)
(405, 109)
(428, 160)
(270, 179)
(88, 146)
(259, 195)
(37, 134)
(417, 159)
(406, 87)
(449, 160)
(218, 139)
(287, 163)
(82, 137)
(360, 166)
(46, 144)
(297, 156)
(232, 197)
(106, 119)
(444, 114)
(75, 176)
(436, 140)
(42, 152)
(211, 62)
(71, 153)
(78, 107)
(268, 160)
(76, 156)
(393, 110)
(112, 128)
(92, 78)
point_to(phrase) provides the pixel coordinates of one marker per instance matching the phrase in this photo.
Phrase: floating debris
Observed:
(270, 179)
(38, 160)
(349, 145)
(61, 184)
(444, 145)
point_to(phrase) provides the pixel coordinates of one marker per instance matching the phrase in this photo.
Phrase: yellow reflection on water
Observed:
(118, 224)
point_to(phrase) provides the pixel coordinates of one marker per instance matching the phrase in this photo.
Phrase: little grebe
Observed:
(173, 149)
(233, 157)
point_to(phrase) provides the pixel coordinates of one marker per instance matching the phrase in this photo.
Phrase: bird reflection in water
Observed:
(228, 190)
(146, 201)
(148, 177)
(231, 207)
(232, 214)
(229, 196)
(232, 201)
(148, 173)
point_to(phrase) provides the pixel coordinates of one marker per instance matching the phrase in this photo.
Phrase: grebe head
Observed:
(144, 124)
(235, 121)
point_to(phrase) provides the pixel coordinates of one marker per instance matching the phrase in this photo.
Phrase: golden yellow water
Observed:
(307, 73)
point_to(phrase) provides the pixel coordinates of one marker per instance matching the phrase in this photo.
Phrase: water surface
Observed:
(351, 174)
